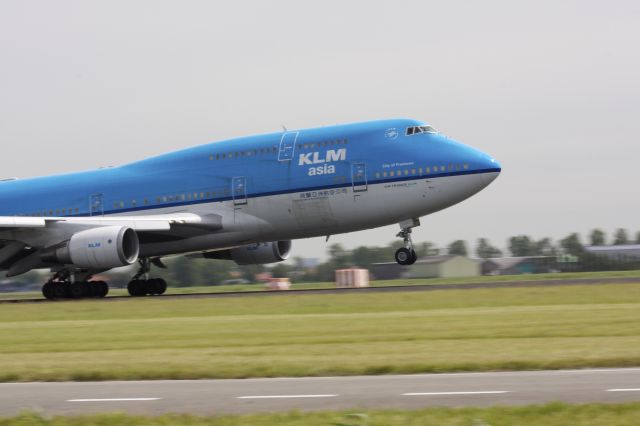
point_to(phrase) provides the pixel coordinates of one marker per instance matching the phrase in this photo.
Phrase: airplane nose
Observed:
(493, 164)
(493, 168)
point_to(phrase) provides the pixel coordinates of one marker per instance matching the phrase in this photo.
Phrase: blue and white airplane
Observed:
(242, 199)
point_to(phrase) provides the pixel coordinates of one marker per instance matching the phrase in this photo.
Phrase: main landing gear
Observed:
(406, 255)
(142, 285)
(63, 285)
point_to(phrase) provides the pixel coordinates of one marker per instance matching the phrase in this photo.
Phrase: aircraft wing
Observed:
(16, 232)
(162, 222)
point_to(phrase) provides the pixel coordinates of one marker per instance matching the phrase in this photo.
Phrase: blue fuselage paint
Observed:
(333, 157)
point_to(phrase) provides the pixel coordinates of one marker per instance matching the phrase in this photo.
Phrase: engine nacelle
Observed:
(255, 254)
(98, 248)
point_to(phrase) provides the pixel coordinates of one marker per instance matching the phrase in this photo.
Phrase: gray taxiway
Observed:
(323, 393)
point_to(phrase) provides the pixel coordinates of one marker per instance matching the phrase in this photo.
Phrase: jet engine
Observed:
(255, 254)
(98, 248)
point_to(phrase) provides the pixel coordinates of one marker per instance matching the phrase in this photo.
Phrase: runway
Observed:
(380, 289)
(208, 397)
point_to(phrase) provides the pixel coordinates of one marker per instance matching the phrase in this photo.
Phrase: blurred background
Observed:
(549, 88)
(460, 259)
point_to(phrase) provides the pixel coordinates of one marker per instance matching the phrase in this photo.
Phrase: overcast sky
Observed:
(550, 88)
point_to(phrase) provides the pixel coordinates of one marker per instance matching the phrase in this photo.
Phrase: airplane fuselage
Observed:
(278, 186)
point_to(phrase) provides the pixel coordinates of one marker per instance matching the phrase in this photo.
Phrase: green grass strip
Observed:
(313, 335)
(555, 414)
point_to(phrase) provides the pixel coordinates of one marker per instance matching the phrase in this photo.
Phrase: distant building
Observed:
(519, 265)
(445, 266)
(621, 253)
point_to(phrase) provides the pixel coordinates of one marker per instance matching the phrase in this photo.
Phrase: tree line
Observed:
(570, 250)
(184, 271)
(568, 254)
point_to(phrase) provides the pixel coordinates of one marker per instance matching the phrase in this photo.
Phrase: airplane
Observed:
(243, 199)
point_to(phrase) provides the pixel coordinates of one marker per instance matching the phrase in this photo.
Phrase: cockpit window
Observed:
(414, 130)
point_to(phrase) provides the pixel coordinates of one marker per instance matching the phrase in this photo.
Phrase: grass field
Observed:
(376, 283)
(549, 415)
(303, 335)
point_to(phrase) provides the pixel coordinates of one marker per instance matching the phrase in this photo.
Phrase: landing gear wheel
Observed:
(100, 289)
(137, 288)
(405, 256)
(161, 287)
(79, 290)
(48, 290)
(59, 290)
(141, 285)
(156, 286)
(151, 286)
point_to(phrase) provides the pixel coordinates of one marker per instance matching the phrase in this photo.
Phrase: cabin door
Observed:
(239, 190)
(287, 146)
(359, 177)
(96, 205)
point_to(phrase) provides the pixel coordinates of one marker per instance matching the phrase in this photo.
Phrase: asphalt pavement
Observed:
(208, 397)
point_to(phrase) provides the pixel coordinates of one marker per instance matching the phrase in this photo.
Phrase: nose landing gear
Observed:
(406, 255)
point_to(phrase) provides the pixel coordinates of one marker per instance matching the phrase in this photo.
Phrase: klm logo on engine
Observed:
(94, 245)
(320, 163)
